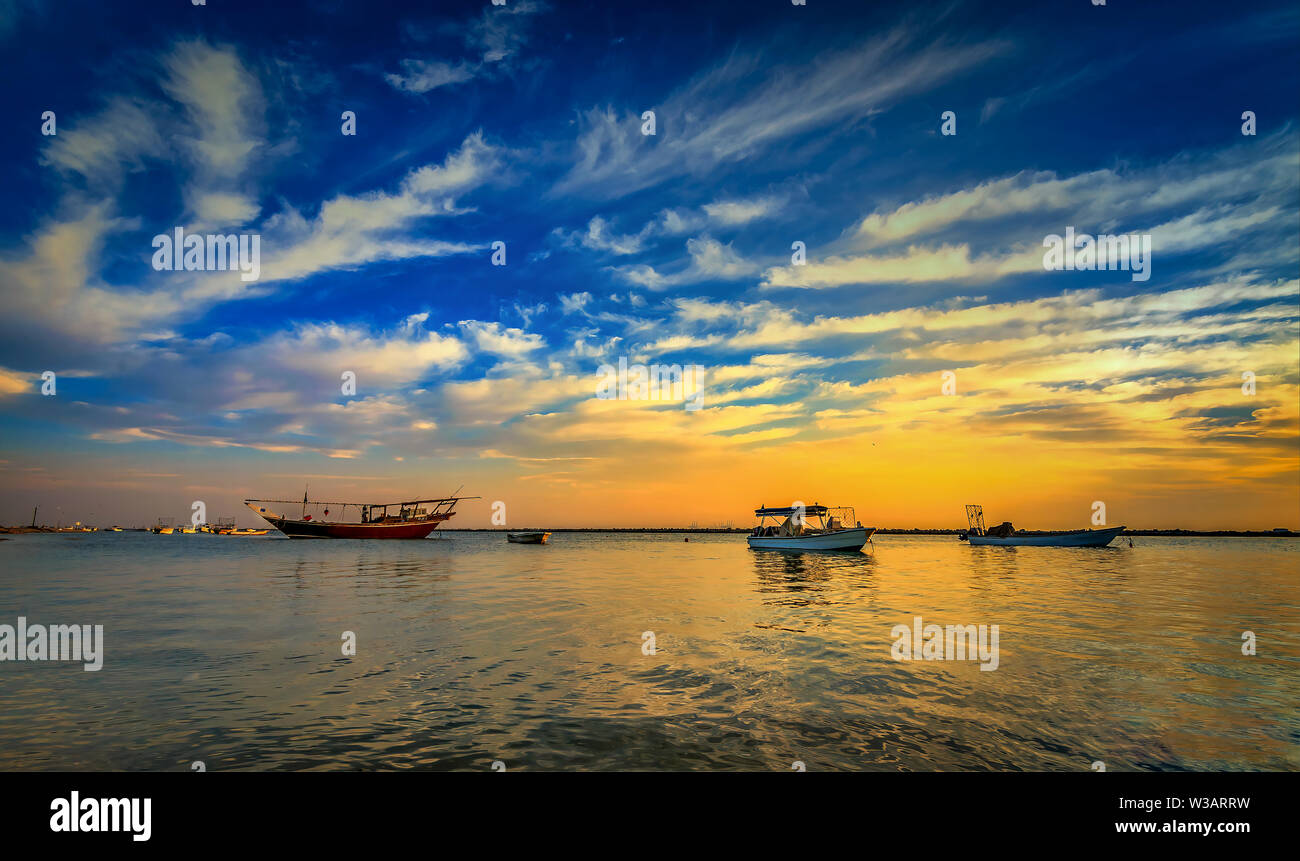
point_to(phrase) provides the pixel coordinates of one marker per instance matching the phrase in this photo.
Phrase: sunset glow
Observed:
(918, 359)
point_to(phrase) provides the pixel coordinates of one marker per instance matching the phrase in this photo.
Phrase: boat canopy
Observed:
(409, 504)
(807, 510)
(370, 511)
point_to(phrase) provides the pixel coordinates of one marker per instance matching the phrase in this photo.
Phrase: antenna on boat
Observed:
(456, 491)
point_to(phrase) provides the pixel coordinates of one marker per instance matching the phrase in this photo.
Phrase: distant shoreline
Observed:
(1216, 533)
(667, 530)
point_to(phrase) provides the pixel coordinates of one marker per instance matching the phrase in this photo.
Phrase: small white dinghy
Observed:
(794, 532)
(527, 537)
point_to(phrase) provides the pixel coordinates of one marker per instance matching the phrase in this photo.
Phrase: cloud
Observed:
(1095, 197)
(734, 212)
(421, 76)
(224, 208)
(1081, 316)
(381, 360)
(498, 340)
(502, 30)
(351, 230)
(573, 303)
(1012, 214)
(15, 382)
(57, 305)
(916, 265)
(745, 105)
(224, 108)
(58, 302)
(710, 260)
(494, 38)
(600, 236)
(713, 259)
(105, 146)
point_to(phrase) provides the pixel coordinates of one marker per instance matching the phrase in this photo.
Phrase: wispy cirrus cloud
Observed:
(491, 40)
(106, 145)
(710, 260)
(225, 113)
(745, 106)
(1011, 215)
(601, 236)
(351, 230)
(54, 282)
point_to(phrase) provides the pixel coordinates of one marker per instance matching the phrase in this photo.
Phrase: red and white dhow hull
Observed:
(412, 521)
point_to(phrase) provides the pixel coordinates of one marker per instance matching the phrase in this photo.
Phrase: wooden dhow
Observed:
(415, 518)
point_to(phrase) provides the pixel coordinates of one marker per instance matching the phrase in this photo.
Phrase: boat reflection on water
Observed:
(793, 574)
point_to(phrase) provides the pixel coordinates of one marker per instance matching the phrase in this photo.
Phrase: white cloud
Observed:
(494, 338)
(916, 265)
(104, 146)
(732, 212)
(600, 236)
(710, 260)
(225, 133)
(574, 303)
(381, 360)
(1094, 197)
(421, 76)
(225, 208)
(53, 293)
(1256, 192)
(494, 38)
(726, 115)
(351, 230)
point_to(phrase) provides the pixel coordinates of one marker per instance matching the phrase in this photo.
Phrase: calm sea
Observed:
(472, 651)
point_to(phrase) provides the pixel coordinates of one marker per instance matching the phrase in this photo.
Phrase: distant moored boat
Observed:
(1005, 535)
(528, 537)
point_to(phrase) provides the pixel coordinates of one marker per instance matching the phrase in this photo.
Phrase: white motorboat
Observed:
(834, 529)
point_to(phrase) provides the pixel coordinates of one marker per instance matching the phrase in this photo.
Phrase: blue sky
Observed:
(774, 124)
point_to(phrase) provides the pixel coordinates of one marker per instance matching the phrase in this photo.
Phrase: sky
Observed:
(857, 273)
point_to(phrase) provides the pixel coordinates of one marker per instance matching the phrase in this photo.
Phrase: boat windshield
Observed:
(809, 520)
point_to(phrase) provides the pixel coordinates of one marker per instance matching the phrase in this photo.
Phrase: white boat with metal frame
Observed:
(795, 533)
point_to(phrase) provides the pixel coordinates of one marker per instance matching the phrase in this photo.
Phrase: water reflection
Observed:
(470, 651)
(801, 577)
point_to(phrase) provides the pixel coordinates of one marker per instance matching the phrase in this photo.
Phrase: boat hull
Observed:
(527, 537)
(323, 529)
(845, 539)
(1077, 538)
